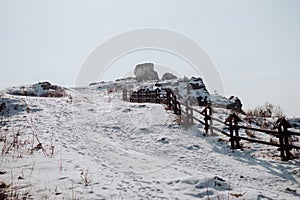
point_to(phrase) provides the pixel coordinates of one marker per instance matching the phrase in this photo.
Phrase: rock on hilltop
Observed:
(41, 89)
(145, 72)
(168, 76)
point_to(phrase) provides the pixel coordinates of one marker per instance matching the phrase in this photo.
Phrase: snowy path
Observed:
(105, 148)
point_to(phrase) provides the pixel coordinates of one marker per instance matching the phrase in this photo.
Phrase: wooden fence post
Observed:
(236, 128)
(169, 99)
(138, 96)
(282, 154)
(207, 119)
(175, 104)
(210, 120)
(189, 113)
(231, 135)
(282, 126)
(146, 96)
(286, 143)
(125, 95)
(157, 100)
(233, 121)
(178, 107)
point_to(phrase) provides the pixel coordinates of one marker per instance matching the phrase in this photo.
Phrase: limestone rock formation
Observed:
(168, 76)
(145, 72)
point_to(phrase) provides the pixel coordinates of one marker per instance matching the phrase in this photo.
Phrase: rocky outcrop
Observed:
(41, 89)
(168, 76)
(197, 83)
(233, 103)
(145, 72)
(198, 91)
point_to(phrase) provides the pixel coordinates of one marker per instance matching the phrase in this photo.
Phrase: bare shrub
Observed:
(85, 178)
(266, 110)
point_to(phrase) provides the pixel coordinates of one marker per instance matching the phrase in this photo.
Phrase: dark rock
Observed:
(201, 95)
(235, 104)
(196, 83)
(291, 190)
(163, 140)
(3, 185)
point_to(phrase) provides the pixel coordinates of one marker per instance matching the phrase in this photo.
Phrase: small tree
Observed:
(185, 78)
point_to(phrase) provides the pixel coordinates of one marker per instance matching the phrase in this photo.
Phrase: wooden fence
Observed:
(188, 116)
(164, 96)
(280, 130)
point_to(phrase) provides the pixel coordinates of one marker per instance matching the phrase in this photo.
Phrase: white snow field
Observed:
(96, 146)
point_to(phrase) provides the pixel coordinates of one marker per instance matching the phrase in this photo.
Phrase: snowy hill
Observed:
(92, 145)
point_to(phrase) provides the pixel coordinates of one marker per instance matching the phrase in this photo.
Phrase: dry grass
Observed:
(250, 133)
(15, 191)
(85, 178)
(14, 143)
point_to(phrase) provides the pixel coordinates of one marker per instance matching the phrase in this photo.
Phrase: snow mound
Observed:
(210, 187)
(41, 89)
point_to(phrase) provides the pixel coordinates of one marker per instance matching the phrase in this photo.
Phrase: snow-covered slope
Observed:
(95, 146)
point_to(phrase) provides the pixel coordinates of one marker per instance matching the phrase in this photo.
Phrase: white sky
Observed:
(254, 44)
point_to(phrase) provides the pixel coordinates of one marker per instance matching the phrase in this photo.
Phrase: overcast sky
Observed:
(255, 45)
